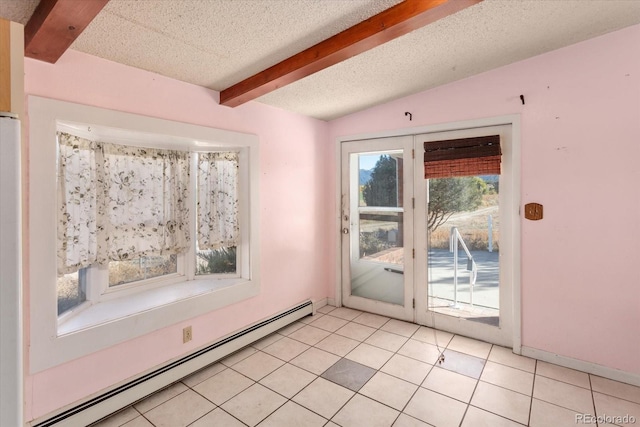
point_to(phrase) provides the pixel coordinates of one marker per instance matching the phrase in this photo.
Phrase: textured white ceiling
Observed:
(216, 43)
(486, 36)
(17, 10)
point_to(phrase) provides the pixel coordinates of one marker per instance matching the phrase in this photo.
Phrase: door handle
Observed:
(345, 230)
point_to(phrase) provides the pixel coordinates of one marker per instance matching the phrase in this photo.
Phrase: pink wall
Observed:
(294, 215)
(580, 152)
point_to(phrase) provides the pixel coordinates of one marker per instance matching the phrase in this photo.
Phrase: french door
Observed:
(464, 251)
(377, 226)
(439, 252)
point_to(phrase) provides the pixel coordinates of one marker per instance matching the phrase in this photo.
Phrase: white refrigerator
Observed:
(11, 386)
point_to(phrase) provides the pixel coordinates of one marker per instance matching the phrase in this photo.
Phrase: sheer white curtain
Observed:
(119, 203)
(146, 195)
(217, 200)
(77, 205)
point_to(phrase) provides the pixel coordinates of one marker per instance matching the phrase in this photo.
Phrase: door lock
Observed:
(345, 230)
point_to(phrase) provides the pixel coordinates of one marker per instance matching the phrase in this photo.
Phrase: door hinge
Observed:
(413, 253)
(413, 202)
(413, 154)
(414, 303)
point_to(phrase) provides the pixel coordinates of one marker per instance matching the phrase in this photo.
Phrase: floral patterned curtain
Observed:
(217, 200)
(77, 205)
(118, 203)
(146, 191)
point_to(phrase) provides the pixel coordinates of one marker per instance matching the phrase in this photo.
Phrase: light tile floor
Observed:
(347, 368)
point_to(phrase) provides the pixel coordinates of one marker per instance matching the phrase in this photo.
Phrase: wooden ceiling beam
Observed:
(381, 28)
(55, 24)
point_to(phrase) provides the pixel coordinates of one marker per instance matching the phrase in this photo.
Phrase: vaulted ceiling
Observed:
(219, 43)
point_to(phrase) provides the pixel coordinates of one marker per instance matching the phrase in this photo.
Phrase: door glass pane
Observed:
(380, 179)
(381, 236)
(377, 249)
(463, 223)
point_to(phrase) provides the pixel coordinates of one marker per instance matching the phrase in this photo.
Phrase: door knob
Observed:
(345, 230)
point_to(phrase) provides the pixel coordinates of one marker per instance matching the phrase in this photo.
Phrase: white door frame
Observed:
(502, 334)
(350, 220)
(514, 121)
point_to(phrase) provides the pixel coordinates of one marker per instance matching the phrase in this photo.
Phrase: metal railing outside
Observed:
(455, 240)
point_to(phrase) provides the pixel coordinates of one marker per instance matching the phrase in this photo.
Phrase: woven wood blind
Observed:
(462, 157)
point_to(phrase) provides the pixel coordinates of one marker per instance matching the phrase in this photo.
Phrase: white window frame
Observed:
(111, 316)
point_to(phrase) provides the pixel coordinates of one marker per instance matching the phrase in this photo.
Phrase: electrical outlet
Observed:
(187, 334)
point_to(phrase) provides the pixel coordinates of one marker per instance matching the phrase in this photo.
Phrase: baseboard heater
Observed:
(130, 392)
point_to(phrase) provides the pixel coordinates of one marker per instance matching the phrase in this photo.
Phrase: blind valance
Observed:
(462, 157)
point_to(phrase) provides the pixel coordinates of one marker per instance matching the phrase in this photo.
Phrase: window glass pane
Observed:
(121, 272)
(219, 261)
(71, 291)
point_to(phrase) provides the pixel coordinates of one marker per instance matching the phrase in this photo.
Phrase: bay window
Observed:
(124, 215)
(135, 224)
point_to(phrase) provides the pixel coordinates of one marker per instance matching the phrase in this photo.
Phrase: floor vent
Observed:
(126, 394)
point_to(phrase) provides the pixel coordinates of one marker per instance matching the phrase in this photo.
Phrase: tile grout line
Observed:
(313, 373)
(359, 342)
(418, 386)
(342, 357)
(216, 406)
(377, 371)
(593, 401)
(148, 420)
(475, 387)
(433, 366)
(533, 386)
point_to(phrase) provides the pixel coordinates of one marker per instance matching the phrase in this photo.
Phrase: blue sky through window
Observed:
(368, 161)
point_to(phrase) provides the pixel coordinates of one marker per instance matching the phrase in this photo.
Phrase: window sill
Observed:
(131, 305)
(120, 319)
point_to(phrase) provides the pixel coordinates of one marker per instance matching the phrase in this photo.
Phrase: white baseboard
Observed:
(331, 302)
(319, 304)
(581, 365)
(124, 394)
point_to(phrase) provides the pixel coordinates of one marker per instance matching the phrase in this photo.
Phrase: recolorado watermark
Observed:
(605, 419)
